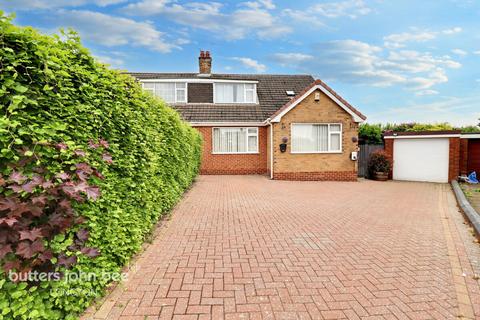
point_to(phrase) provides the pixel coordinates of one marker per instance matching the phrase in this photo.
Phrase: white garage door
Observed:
(421, 159)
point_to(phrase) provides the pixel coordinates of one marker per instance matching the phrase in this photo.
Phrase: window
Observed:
(235, 93)
(316, 138)
(171, 92)
(235, 140)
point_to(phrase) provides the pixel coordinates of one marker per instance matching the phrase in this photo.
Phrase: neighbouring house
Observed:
(470, 153)
(292, 127)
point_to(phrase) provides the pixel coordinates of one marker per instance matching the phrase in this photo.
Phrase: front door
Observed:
(474, 156)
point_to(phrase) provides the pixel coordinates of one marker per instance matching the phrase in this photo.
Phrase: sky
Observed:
(395, 60)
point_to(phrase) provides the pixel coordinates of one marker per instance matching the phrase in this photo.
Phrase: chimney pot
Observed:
(205, 62)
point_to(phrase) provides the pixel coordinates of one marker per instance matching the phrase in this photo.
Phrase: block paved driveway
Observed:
(245, 247)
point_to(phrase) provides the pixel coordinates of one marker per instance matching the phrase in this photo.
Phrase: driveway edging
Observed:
(466, 207)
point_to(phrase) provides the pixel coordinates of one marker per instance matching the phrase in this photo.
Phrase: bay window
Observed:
(235, 140)
(171, 92)
(235, 92)
(316, 138)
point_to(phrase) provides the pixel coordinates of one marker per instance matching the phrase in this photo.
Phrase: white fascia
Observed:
(355, 117)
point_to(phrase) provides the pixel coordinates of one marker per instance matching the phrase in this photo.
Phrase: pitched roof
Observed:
(271, 92)
(318, 82)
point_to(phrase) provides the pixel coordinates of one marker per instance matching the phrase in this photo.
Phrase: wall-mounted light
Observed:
(283, 145)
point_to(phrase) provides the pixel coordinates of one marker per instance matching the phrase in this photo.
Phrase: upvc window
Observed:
(316, 138)
(235, 92)
(171, 92)
(235, 140)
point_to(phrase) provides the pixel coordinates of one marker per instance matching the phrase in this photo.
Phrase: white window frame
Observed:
(247, 135)
(244, 93)
(176, 90)
(329, 138)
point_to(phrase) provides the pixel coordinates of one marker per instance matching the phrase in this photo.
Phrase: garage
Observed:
(424, 156)
(473, 163)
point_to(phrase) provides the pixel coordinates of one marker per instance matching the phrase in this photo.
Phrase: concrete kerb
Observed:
(466, 207)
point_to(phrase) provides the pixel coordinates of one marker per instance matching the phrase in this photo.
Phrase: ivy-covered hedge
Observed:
(53, 91)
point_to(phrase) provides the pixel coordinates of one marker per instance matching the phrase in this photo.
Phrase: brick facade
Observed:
(317, 176)
(388, 147)
(454, 159)
(463, 156)
(315, 166)
(233, 163)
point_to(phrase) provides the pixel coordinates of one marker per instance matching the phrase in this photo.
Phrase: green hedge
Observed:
(52, 90)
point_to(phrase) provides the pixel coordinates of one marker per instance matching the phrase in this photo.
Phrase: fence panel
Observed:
(363, 155)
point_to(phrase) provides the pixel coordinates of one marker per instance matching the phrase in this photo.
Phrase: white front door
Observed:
(421, 159)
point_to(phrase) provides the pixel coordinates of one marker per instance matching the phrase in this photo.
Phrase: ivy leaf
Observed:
(107, 158)
(92, 144)
(103, 143)
(79, 153)
(8, 204)
(90, 252)
(8, 221)
(93, 192)
(62, 176)
(27, 249)
(65, 261)
(4, 250)
(17, 177)
(31, 235)
(82, 235)
(61, 146)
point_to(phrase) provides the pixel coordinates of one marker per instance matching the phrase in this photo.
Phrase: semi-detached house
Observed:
(291, 127)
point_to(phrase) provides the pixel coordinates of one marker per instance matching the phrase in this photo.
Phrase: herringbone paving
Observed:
(245, 247)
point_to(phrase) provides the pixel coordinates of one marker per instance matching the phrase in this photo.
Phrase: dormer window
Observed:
(171, 92)
(235, 92)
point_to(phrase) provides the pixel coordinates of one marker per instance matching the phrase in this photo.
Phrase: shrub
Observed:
(370, 133)
(379, 161)
(52, 91)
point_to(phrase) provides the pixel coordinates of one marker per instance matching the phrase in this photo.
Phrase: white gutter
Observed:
(425, 136)
(271, 147)
(227, 124)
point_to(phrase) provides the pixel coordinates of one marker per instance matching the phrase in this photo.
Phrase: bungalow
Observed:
(289, 126)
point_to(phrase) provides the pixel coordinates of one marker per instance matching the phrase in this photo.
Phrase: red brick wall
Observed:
(317, 176)
(454, 159)
(233, 163)
(388, 147)
(464, 156)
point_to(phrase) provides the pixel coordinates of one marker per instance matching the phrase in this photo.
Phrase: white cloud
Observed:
(458, 111)
(349, 8)
(114, 62)
(426, 92)
(357, 62)
(251, 64)
(460, 52)
(287, 59)
(115, 31)
(399, 40)
(452, 30)
(303, 17)
(249, 17)
(19, 5)
(313, 15)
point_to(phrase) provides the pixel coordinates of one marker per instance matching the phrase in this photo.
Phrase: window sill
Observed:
(316, 152)
(235, 153)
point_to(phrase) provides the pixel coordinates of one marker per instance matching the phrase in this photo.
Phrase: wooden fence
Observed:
(363, 155)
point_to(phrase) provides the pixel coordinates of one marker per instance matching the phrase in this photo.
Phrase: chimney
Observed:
(205, 63)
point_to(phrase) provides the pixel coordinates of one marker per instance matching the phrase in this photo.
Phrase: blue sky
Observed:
(396, 61)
